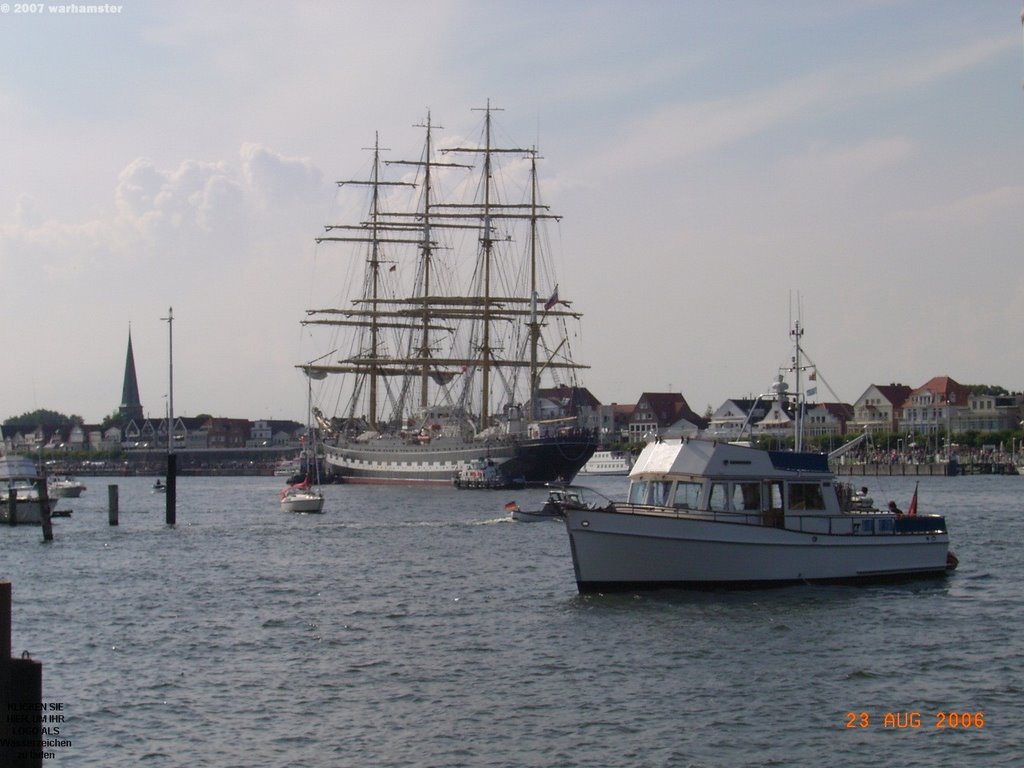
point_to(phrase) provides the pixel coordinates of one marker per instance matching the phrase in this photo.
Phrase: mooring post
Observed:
(5, 630)
(12, 505)
(21, 698)
(172, 488)
(44, 510)
(112, 504)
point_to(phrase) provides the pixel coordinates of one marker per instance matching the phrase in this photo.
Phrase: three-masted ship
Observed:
(454, 325)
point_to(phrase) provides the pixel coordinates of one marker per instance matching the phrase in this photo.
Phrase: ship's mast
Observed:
(427, 247)
(417, 318)
(534, 325)
(370, 361)
(488, 210)
(488, 245)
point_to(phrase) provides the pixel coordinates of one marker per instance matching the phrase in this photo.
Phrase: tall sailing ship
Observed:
(454, 325)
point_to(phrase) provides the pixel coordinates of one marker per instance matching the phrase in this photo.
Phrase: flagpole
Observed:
(172, 459)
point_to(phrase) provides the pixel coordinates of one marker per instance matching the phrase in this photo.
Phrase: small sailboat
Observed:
(303, 494)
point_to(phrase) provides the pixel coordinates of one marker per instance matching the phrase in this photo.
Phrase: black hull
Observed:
(550, 460)
(535, 461)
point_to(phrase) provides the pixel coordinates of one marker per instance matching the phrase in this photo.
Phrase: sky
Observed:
(721, 168)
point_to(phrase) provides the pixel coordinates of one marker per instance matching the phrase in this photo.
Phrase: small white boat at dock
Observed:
(20, 479)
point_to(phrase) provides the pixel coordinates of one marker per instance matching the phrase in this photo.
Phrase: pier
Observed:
(941, 469)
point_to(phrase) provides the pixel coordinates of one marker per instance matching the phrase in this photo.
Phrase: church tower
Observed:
(131, 407)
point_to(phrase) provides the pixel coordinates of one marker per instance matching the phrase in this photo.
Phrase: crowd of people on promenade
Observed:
(920, 454)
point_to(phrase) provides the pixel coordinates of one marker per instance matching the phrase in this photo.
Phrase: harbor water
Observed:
(411, 627)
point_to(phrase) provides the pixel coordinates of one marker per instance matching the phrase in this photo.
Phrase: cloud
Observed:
(194, 199)
(928, 69)
(273, 179)
(685, 131)
(979, 209)
(154, 209)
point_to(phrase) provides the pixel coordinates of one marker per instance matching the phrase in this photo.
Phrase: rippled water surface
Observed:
(422, 628)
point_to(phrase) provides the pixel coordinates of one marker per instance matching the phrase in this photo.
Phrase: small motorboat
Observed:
(560, 498)
(65, 488)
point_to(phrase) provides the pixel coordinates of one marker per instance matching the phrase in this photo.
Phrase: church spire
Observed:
(131, 407)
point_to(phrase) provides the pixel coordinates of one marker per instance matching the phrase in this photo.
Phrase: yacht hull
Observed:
(623, 550)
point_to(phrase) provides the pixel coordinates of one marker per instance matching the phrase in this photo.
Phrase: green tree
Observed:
(48, 420)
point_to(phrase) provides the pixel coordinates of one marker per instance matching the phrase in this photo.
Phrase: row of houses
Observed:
(189, 434)
(940, 406)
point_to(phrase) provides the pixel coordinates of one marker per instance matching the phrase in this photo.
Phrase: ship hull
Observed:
(393, 461)
(629, 549)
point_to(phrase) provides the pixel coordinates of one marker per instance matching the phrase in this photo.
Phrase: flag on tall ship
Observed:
(912, 509)
(552, 301)
(812, 391)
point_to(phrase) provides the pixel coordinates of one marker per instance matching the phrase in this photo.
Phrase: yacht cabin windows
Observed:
(806, 496)
(687, 495)
(638, 492)
(718, 501)
(661, 492)
(746, 497)
(652, 492)
(739, 496)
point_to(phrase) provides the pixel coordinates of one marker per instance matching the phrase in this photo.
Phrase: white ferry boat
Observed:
(703, 513)
(608, 463)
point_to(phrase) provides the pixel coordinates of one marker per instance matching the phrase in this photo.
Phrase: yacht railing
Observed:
(826, 525)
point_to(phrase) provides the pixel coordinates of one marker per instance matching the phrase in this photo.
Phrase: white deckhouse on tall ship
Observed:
(452, 324)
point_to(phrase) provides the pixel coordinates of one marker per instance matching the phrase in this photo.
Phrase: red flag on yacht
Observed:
(912, 509)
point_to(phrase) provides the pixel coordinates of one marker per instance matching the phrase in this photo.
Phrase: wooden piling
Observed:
(44, 510)
(12, 505)
(172, 488)
(5, 625)
(112, 508)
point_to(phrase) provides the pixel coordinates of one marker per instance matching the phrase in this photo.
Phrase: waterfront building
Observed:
(658, 412)
(933, 407)
(734, 417)
(878, 409)
(990, 413)
(827, 419)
